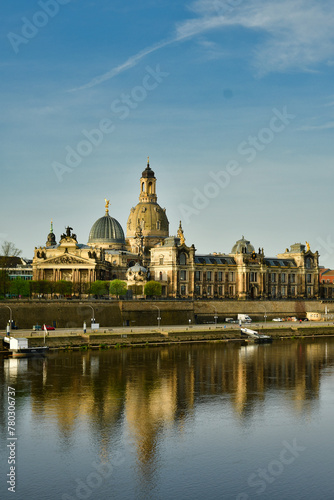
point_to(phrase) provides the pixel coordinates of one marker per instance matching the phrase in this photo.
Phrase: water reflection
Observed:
(141, 393)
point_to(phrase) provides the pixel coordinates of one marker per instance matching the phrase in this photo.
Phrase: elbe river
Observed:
(202, 421)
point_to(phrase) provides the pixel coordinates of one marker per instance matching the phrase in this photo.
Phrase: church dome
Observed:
(151, 218)
(106, 231)
(147, 218)
(243, 246)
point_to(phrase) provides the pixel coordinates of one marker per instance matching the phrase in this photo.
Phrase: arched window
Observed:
(143, 187)
(308, 263)
(149, 190)
(183, 259)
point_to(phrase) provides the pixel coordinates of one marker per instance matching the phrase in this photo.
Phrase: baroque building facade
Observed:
(149, 252)
(241, 274)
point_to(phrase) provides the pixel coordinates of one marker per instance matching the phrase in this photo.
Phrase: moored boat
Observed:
(256, 336)
(19, 348)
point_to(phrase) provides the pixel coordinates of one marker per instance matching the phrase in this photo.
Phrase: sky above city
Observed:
(232, 100)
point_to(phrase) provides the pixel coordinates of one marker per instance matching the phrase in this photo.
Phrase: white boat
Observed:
(256, 336)
(20, 348)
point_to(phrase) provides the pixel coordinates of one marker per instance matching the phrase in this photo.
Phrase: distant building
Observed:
(326, 283)
(17, 267)
(241, 274)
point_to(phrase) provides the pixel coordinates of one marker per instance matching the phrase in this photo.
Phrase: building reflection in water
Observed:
(135, 395)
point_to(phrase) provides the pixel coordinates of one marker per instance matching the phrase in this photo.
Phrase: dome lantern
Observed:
(148, 185)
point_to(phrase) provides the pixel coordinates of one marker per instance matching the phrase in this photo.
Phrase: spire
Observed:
(180, 234)
(148, 172)
(107, 205)
(51, 239)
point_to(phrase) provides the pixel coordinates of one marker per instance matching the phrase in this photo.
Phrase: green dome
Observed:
(106, 230)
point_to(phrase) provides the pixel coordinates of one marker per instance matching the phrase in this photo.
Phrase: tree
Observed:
(153, 289)
(99, 288)
(41, 287)
(136, 289)
(8, 249)
(63, 287)
(80, 287)
(19, 287)
(117, 287)
(9, 257)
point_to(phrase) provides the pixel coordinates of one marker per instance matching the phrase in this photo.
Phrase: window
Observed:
(220, 276)
(208, 275)
(197, 290)
(283, 278)
(198, 276)
(273, 291)
(253, 277)
(183, 275)
(273, 277)
(308, 263)
(231, 276)
(293, 291)
(309, 291)
(183, 289)
(308, 278)
(158, 224)
(220, 290)
(161, 260)
(209, 290)
(283, 291)
(292, 278)
(183, 259)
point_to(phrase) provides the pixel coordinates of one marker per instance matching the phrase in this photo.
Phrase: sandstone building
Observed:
(150, 252)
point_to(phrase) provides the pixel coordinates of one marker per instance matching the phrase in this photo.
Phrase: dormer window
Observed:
(183, 259)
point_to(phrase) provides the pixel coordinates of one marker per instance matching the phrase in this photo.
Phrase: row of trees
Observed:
(117, 288)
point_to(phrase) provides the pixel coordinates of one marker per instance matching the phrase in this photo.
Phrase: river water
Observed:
(204, 421)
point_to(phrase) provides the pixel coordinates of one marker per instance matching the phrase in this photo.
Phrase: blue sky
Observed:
(232, 100)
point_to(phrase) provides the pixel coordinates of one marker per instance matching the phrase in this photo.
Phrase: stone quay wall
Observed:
(134, 313)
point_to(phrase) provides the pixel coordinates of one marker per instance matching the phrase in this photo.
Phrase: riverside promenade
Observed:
(139, 336)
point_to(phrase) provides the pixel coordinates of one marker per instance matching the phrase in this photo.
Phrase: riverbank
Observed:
(127, 337)
(144, 313)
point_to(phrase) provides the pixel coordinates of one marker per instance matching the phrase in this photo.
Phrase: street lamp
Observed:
(10, 320)
(93, 318)
(159, 317)
(215, 316)
(265, 314)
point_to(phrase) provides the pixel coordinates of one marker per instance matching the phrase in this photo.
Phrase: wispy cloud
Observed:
(324, 126)
(129, 63)
(298, 33)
